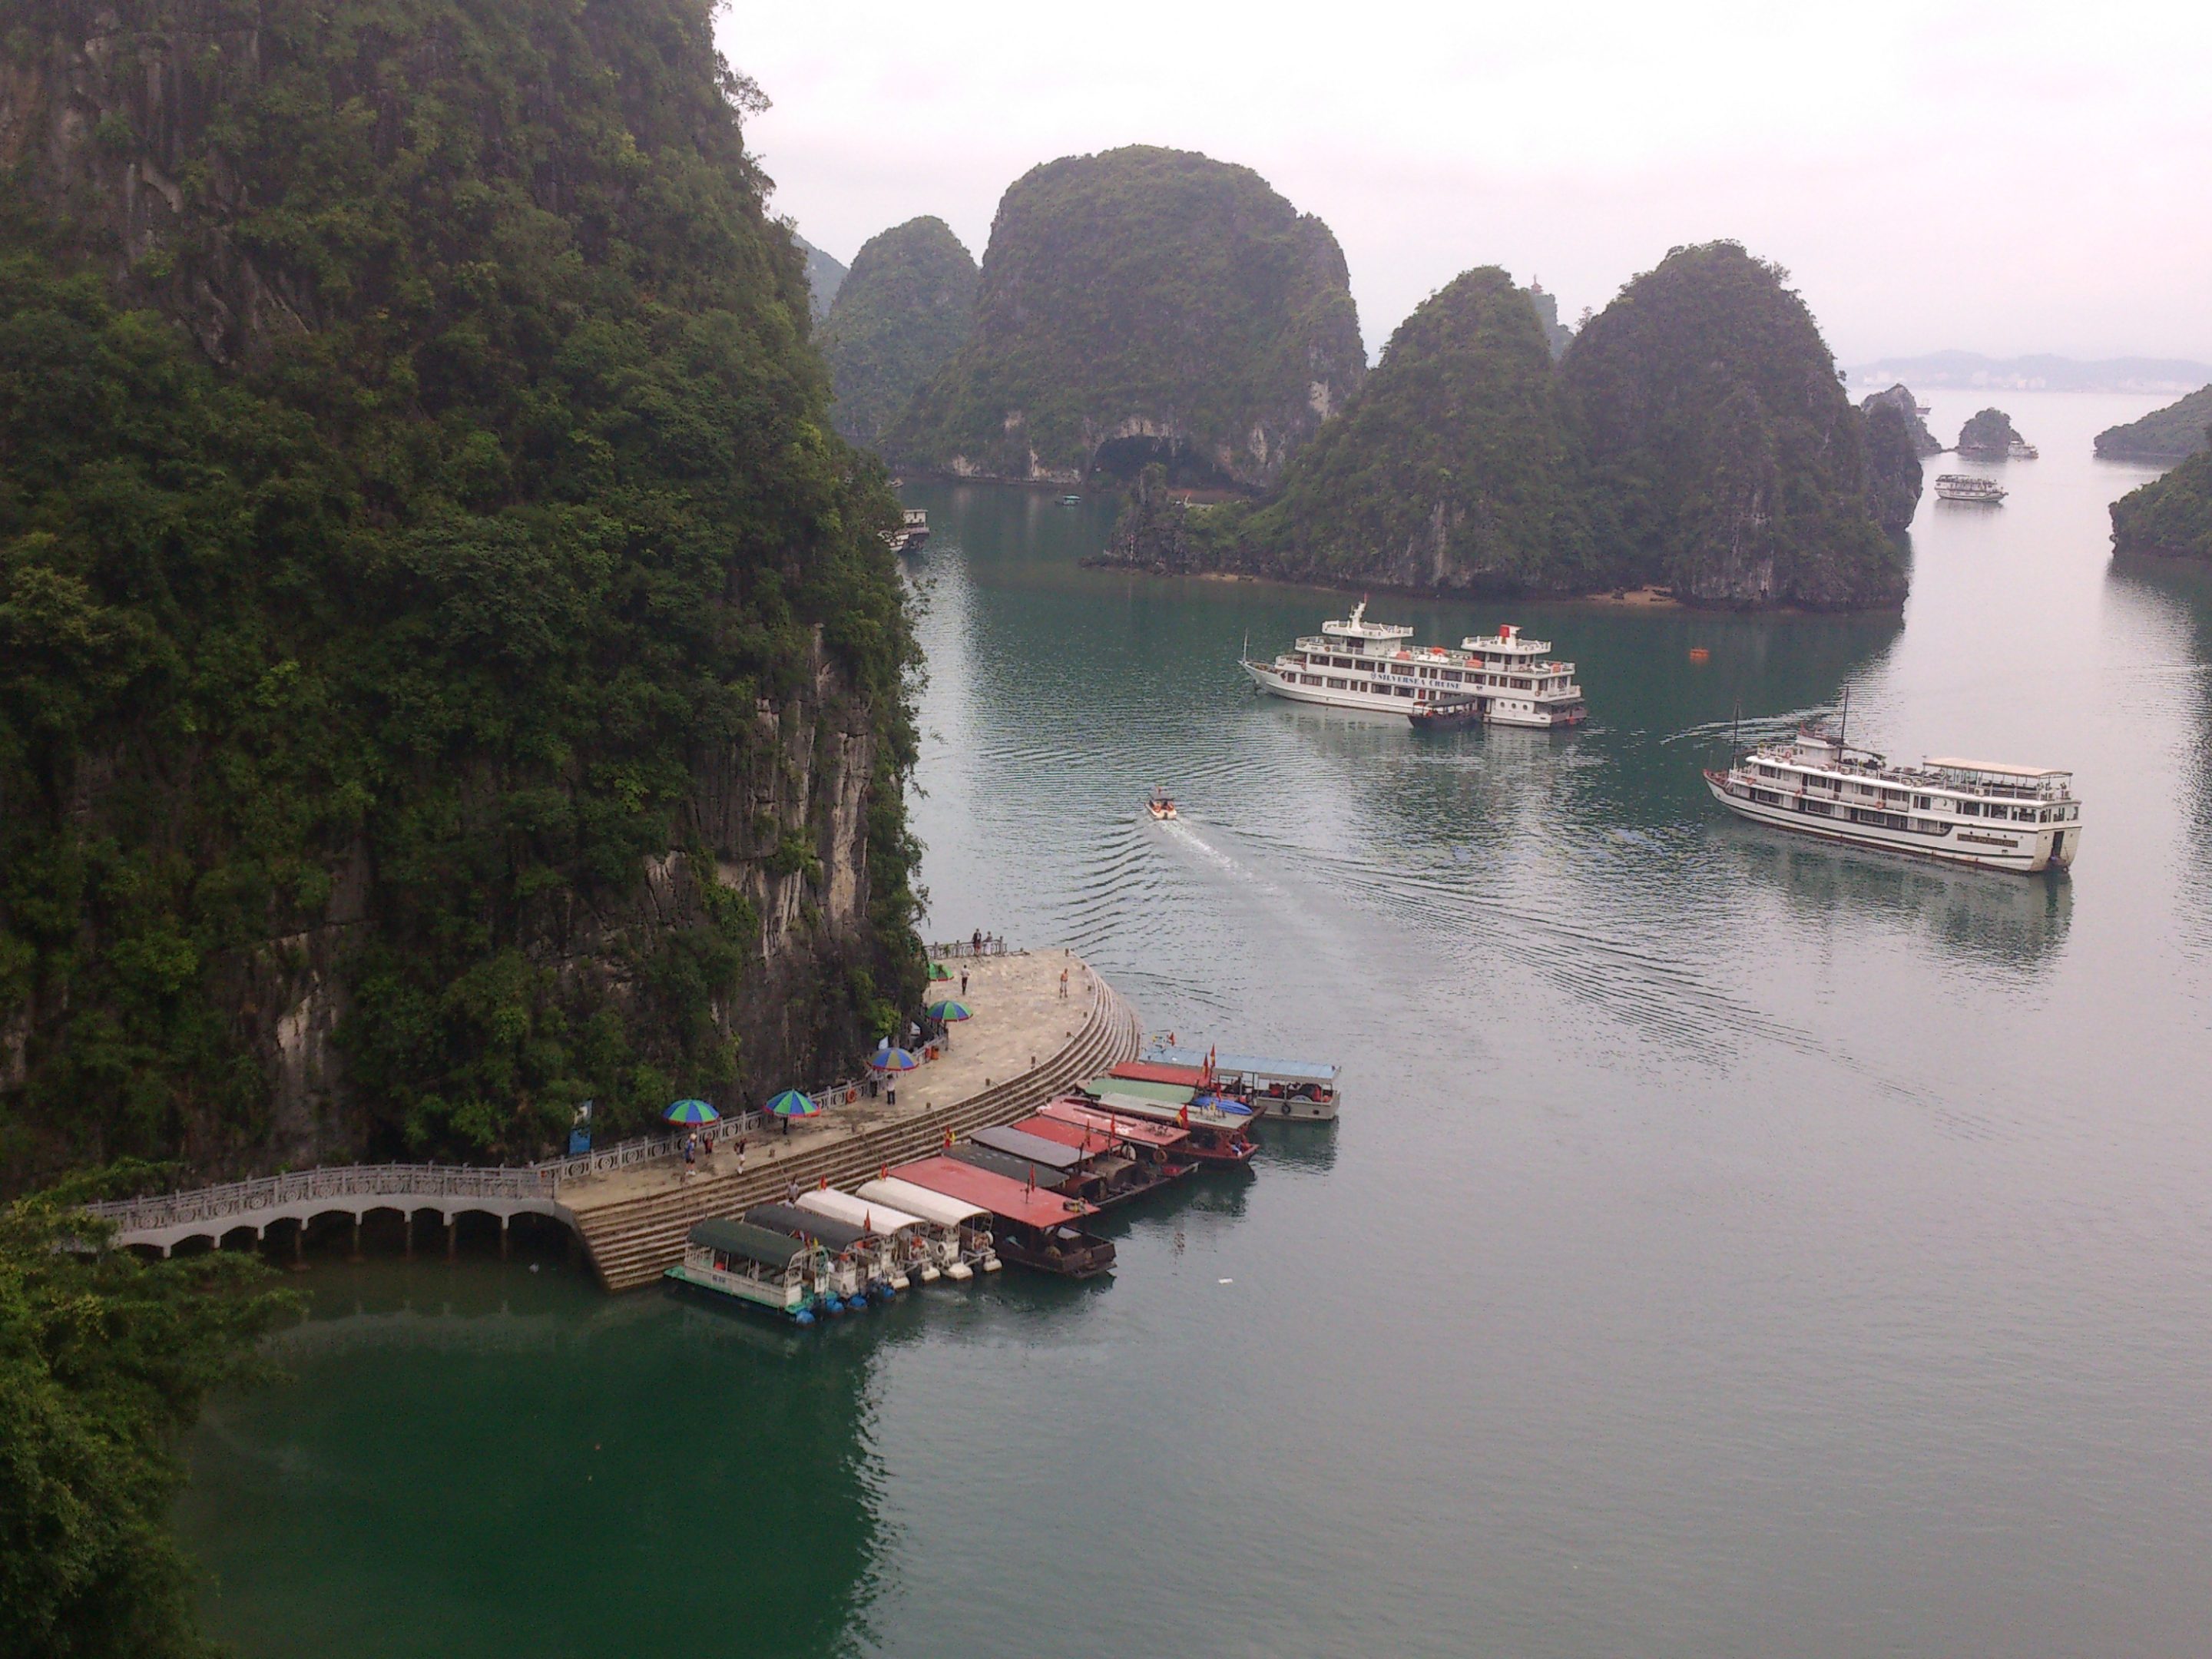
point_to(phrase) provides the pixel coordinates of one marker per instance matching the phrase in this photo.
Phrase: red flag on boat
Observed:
(1183, 1114)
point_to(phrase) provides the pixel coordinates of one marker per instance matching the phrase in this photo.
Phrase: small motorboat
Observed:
(1162, 805)
(1071, 501)
(1447, 713)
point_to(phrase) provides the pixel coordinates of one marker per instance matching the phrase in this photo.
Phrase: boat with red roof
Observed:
(1034, 1225)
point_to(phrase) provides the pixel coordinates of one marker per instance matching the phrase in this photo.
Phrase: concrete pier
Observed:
(1024, 1045)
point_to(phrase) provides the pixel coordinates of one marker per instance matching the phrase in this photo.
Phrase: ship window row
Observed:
(1897, 798)
(1450, 676)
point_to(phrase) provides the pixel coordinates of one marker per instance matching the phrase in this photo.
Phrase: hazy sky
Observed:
(2003, 177)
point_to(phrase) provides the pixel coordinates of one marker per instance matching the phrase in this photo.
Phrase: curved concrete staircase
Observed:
(633, 1241)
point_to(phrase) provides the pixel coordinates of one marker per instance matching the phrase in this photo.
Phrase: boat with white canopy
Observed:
(960, 1233)
(903, 1238)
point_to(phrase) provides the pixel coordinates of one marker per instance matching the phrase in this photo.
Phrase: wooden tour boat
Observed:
(1033, 1225)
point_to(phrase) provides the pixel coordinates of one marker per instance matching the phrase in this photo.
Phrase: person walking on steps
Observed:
(1063, 985)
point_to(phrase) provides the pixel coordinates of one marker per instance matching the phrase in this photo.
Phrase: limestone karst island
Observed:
(822, 836)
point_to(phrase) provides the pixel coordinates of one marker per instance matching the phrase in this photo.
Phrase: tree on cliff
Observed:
(1899, 397)
(905, 307)
(1893, 473)
(442, 645)
(1721, 442)
(2164, 434)
(2169, 516)
(1147, 294)
(104, 1362)
(1451, 468)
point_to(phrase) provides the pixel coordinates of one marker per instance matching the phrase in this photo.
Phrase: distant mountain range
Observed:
(1960, 371)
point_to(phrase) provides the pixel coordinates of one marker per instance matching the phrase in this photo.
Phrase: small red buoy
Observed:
(1698, 653)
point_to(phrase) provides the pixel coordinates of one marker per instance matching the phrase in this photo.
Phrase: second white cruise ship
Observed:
(1357, 664)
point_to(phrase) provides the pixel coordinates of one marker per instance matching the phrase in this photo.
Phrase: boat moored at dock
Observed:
(1125, 1159)
(1357, 664)
(852, 1266)
(902, 1250)
(1301, 1091)
(1986, 813)
(960, 1240)
(1033, 1226)
(1220, 1131)
(912, 534)
(757, 1266)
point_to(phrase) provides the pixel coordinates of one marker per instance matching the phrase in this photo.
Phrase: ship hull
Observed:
(1497, 711)
(2024, 851)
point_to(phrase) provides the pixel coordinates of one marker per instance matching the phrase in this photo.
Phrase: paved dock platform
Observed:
(1025, 1045)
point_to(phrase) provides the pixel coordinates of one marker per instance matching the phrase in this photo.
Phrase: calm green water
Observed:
(1732, 1247)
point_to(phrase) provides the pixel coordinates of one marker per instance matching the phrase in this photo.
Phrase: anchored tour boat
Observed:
(1357, 664)
(754, 1264)
(1966, 812)
(911, 533)
(1033, 1224)
(1302, 1090)
(1964, 487)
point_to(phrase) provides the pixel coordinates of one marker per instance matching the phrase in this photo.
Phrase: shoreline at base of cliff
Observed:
(1634, 598)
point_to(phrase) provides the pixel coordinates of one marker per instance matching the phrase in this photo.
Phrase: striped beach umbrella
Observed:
(792, 1104)
(692, 1111)
(950, 1011)
(888, 1058)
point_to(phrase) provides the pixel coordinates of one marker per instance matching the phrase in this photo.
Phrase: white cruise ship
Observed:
(1357, 664)
(1966, 812)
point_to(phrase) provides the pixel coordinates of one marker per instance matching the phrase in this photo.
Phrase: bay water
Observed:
(1732, 1245)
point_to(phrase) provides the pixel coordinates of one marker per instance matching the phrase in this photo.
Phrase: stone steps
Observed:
(632, 1243)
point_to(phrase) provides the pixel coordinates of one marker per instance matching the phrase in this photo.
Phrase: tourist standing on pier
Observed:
(963, 981)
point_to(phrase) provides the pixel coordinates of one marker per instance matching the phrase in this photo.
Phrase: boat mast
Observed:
(1735, 725)
(1843, 726)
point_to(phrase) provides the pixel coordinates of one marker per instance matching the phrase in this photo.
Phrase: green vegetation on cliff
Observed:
(104, 1362)
(1721, 442)
(1557, 335)
(904, 308)
(2164, 434)
(1988, 432)
(1151, 297)
(1452, 467)
(2169, 516)
(1694, 434)
(824, 278)
(1900, 397)
(432, 602)
(1893, 474)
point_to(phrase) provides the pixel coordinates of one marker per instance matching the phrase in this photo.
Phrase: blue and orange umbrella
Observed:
(888, 1058)
(692, 1111)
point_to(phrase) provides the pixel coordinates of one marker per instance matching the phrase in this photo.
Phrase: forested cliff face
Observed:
(2165, 434)
(447, 665)
(1451, 469)
(905, 307)
(2169, 516)
(1900, 397)
(1721, 442)
(1694, 434)
(1151, 296)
